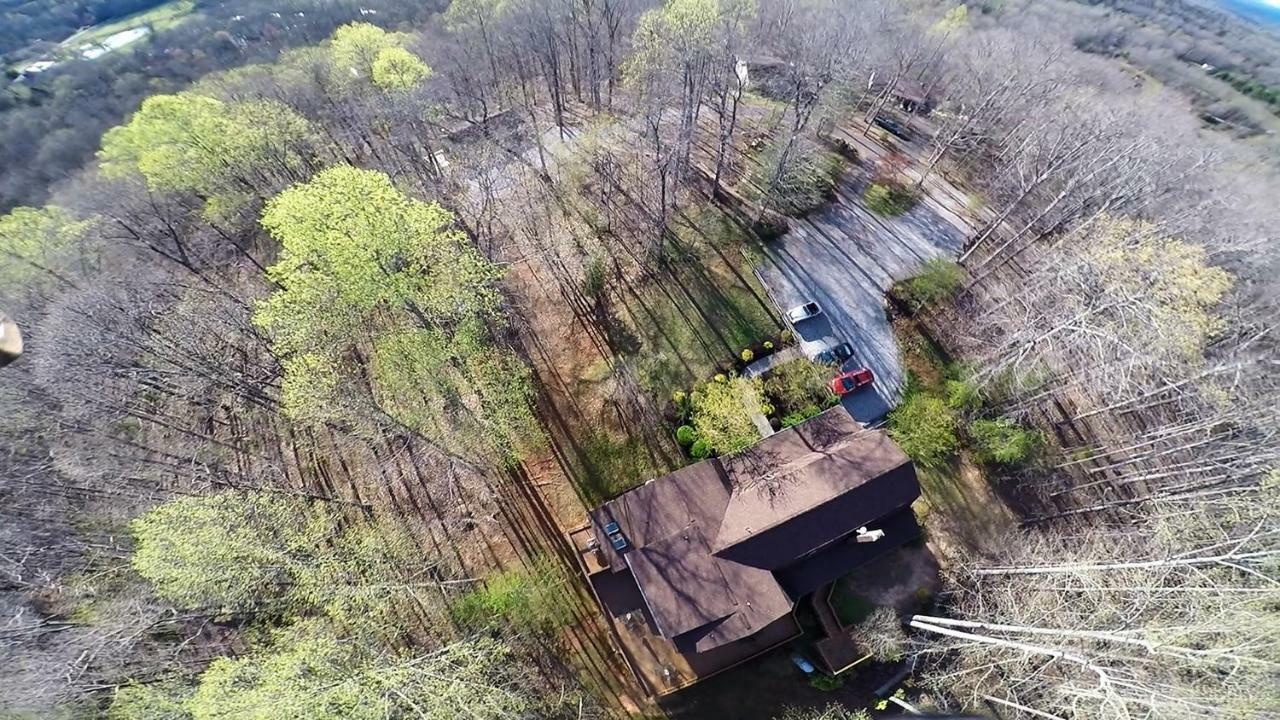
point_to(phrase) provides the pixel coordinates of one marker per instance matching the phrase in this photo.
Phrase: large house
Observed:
(701, 569)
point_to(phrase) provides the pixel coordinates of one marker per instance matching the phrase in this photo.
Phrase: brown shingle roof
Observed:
(704, 593)
(797, 470)
(681, 582)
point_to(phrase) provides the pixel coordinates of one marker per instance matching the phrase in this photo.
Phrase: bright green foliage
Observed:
(524, 599)
(356, 48)
(464, 15)
(699, 450)
(309, 672)
(309, 390)
(721, 417)
(197, 143)
(940, 279)
(962, 395)
(397, 70)
(230, 550)
(1003, 441)
(362, 264)
(925, 427)
(1178, 288)
(165, 700)
(746, 355)
(798, 416)
(372, 576)
(800, 384)
(681, 31)
(957, 18)
(480, 396)
(38, 246)
(685, 435)
(352, 243)
(889, 200)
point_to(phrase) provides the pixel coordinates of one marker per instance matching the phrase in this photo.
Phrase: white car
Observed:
(803, 312)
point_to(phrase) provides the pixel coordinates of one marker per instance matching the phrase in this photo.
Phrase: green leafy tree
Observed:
(40, 248)
(925, 427)
(800, 384)
(370, 276)
(230, 550)
(308, 671)
(1003, 441)
(397, 70)
(164, 700)
(722, 417)
(216, 149)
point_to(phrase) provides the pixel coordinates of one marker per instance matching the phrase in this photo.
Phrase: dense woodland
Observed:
(302, 338)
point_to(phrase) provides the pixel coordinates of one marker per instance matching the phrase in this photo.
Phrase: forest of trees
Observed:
(270, 450)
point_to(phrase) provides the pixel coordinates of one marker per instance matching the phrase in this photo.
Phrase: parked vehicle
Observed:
(804, 312)
(834, 355)
(847, 382)
(893, 126)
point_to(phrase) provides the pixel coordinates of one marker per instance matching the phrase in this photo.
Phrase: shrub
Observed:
(746, 355)
(685, 435)
(881, 634)
(889, 200)
(593, 279)
(826, 683)
(795, 418)
(1003, 441)
(850, 609)
(721, 418)
(678, 397)
(799, 385)
(939, 280)
(768, 344)
(700, 450)
(962, 395)
(522, 599)
(925, 427)
(924, 596)
(720, 378)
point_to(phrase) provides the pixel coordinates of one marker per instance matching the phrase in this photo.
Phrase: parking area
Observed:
(844, 258)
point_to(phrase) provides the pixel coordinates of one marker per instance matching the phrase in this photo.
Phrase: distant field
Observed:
(160, 18)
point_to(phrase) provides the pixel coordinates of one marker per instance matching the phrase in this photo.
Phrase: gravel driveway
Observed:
(845, 258)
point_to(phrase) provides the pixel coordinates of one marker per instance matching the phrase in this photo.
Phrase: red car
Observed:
(847, 382)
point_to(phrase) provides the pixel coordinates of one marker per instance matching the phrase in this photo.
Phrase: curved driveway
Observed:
(845, 258)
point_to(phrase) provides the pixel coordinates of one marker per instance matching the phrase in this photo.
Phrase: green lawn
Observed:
(702, 310)
(160, 18)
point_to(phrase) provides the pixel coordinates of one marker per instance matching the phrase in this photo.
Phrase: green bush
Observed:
(678, 397)
(700, 450)
(768, 344)
(940, 279)
(826, 683)
(889, 200)
(962, 395)
(799, 416)
(721, 418)
(925, 427)
(747, 356)
(799, 385)
(685, 435)
(1003, 441)
(593, 279)
(523, 599)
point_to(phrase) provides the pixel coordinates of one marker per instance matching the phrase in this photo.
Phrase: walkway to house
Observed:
(837, 650)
